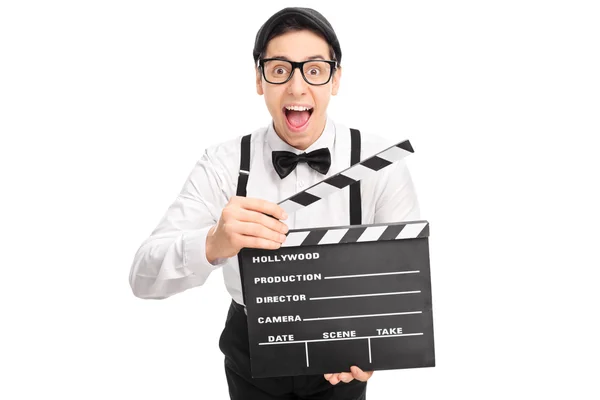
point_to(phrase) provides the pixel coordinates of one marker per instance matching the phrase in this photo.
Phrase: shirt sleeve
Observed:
(397, 200)
(173, 258)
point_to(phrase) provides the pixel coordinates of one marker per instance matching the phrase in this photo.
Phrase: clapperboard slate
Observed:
(334, 297)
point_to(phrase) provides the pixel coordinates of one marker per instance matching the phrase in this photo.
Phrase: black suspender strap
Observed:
(241, 189)
(355, 206)
(244, 167)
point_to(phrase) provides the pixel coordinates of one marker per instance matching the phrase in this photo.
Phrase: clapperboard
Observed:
(334, 297)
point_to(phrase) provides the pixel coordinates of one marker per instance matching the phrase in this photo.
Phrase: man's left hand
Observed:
(355, 373)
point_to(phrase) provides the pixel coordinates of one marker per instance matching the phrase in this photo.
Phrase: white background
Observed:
(105, 107)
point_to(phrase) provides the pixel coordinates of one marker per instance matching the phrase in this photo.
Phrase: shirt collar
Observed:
(325, 140)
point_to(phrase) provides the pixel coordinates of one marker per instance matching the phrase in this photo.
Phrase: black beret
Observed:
(306, 17)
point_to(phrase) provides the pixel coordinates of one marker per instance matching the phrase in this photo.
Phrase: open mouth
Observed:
(297, 117)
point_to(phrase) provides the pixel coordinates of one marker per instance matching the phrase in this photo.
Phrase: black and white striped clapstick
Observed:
(355, 173)
(357, 234)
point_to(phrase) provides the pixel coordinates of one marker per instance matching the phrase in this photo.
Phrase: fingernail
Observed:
(282, 238)
(284, 216)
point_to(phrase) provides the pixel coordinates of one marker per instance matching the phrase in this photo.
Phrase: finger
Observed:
(260, 218)
(253, 242)
(327, 376)
(335, 379)
(360, 375)
(346, 377)
(263, 206)
(259, 231)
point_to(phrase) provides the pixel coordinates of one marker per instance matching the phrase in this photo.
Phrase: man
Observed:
(223, 208)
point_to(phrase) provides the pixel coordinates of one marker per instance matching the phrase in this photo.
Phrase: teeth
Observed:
(298, 108)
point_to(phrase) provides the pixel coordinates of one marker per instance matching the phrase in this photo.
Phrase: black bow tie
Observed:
(285, 161)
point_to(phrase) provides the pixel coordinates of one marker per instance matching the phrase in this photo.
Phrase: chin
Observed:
(301, 141)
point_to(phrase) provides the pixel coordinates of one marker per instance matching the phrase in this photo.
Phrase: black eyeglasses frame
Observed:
(297, 65)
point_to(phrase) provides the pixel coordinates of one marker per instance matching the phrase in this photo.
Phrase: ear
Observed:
(337, 76)
(259, 88)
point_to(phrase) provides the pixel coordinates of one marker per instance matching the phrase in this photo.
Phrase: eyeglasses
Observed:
(314, 72)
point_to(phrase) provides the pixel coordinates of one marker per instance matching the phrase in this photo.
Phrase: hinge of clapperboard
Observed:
(355, 173)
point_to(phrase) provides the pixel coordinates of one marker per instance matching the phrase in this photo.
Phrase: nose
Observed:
(297, 86)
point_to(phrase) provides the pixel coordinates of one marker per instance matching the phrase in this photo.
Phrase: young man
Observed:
(223, 208)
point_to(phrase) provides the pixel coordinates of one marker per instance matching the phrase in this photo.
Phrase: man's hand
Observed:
(355, 373)
(243, 223)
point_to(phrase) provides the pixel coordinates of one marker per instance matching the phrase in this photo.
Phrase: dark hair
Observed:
(294, 24)
(293, 19)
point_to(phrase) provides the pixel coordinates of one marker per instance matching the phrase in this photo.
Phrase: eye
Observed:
(314, 69)
(279, 70)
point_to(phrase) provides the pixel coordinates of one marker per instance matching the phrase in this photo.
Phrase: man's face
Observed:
(293, 126)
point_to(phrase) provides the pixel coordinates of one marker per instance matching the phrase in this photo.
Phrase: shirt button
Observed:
(301, 184)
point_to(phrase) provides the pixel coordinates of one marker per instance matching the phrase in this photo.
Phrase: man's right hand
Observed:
(243, 223)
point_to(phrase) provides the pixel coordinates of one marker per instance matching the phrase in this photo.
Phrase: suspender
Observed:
(241, 191)
(244, 167)
(355, 206)
(355, 199)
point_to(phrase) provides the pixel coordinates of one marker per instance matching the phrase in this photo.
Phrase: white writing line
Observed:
(332, 340)
(362, 316)
(379, 274)
(363, 295)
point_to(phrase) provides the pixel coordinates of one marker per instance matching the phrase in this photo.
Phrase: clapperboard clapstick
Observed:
(332, 297)
(347, 177)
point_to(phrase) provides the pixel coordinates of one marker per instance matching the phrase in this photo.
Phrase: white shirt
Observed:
(173, 258)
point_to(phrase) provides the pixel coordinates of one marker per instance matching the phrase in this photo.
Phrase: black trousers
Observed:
(234, 345)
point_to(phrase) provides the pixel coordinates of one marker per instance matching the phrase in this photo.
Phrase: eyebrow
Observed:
(318, 57)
